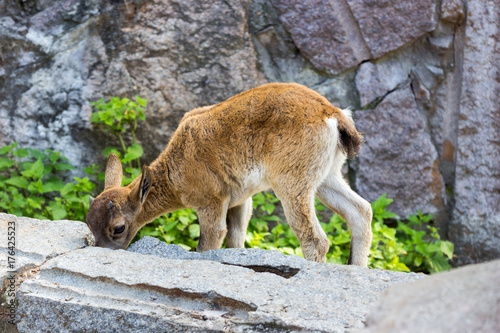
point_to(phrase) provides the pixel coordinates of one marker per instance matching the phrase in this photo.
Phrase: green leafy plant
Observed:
(180, 227)
(30, 186)
(424, 249)
(121, 116)
(281, 237)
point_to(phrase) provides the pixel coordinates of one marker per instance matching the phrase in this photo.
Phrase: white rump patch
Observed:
(332, 123)
(348, 113)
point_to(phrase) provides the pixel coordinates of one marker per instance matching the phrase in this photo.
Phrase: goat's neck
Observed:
(162, 197)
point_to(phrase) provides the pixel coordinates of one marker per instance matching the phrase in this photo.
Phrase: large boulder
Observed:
(157, 287)
(463, 300)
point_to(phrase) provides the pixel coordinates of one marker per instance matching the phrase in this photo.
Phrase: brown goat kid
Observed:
(281, 136)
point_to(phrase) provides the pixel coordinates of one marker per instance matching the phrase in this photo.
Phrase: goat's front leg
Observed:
(237, 224)
(213, 226)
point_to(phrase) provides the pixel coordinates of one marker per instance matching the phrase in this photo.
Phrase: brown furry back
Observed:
(349, 139)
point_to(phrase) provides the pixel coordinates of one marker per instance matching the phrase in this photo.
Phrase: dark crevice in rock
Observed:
(283, 271)
(373, 104)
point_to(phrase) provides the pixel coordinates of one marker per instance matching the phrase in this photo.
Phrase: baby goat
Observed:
(282, 136)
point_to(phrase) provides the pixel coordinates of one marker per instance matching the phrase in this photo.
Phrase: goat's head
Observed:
(113, 215)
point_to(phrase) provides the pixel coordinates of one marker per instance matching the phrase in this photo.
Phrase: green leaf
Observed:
(35, 171)
(39, 155)
(21, 153)
(185, 247)
(69, 187)
(6, 149)
(61, 166)
(447, 248)
(54, 156)
(6, 163)
(194, 231)
(141, 101)
(109, 150)
(35, 187)
(133, 152)
(92, 170)
(20, 203)
(170, 226)
(438, 264)
(417, 261)
(52, 186)
(272, 218)
(58, 213)
(24, 166)
(97, 103)
(18, 181)
(95, 117)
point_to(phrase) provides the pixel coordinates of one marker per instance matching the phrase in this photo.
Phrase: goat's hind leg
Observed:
(301, 217)
(339, 197)
(237, 224)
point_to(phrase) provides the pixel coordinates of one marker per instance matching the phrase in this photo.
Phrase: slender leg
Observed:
(338, 196)
(301, 217)
(213, 227)
(237, 223)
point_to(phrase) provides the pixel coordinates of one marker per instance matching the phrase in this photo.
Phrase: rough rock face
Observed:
(463, 300)
(388, 25)
(56, 56)
(475, 227)
(327, 33)
(59, 55)
(317, 28)
(395, 131)
(159, 287)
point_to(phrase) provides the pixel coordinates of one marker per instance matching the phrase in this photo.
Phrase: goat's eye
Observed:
(118, 230)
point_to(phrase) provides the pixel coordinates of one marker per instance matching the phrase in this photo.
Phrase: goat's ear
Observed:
(141, 190)
(114, 172)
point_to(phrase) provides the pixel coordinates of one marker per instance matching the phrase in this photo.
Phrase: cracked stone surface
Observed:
(56, 56)
(237, 290)
(38, 240)
(375, 80)
(316, 29)
(122, 289)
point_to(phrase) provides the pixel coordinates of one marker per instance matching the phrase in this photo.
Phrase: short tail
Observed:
(349, 139)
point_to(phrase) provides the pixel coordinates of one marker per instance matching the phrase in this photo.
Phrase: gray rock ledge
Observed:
(167, 289)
